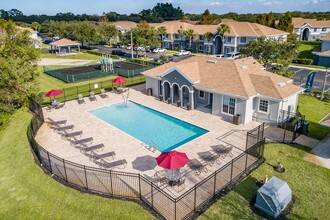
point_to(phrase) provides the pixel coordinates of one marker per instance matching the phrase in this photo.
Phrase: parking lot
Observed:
(301, 74)
(107, 49)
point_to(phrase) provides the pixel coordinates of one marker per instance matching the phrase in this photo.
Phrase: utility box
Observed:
(149, 91)
(237, 119)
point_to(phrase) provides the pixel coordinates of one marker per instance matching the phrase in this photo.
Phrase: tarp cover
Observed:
(273, 197)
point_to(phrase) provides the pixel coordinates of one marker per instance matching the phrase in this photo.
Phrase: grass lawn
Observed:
(308, 182)
(309, 66)
(306, 48)
(314, 110)
(27, 193)
(81, 56)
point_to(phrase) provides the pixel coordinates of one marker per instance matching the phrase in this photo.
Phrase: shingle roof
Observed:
(125, 24)
(242, 77)
(326, 37)
(236, 28)
(64, 42)
(298, 22)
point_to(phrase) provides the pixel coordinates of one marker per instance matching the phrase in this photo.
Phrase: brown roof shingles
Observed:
(298, 22)
(243, 77)
(64, 42)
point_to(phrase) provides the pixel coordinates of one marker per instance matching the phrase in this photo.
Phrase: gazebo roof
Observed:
(64, 42)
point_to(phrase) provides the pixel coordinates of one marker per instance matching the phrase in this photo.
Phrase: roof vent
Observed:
(211, 61)
(281, 84)
(244, 67)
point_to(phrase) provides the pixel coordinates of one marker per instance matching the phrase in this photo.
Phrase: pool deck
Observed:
(139, 158)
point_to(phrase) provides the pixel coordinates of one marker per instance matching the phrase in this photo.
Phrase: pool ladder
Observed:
(152, 146)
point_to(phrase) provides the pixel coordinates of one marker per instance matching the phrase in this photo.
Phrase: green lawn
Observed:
(81, 56)
(309, 66)
(308, 182)
(306, 48)
(314, 110)
(27, 193)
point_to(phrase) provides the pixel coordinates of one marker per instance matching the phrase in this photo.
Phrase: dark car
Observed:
(118, 53)
(48, 41)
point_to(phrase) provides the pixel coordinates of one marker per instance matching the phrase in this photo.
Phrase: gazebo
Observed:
(66, 44)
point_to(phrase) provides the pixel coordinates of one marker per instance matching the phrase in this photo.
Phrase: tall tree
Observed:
(285, 23)
(208, 37)
(18, 67)
(270, 20)
(35, 26)
(261, 19)
(189, 34)
(268, 51)
(162, 31)
(167, 12)
(85, 32)
(108, 31)
(223, 29)
(181, 33)
(206, 18)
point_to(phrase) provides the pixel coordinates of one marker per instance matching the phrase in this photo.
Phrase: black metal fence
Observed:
(293, 125)
(137, 187)
(71, 93)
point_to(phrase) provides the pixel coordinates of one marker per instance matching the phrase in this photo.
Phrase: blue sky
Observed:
(189, 6)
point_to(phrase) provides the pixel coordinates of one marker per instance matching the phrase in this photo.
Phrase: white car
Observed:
(219, 56)
(129, 47)
(232, 56)
(159, 50)
(182, 53)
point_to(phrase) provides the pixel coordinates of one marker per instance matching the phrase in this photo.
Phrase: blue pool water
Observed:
(148, 125)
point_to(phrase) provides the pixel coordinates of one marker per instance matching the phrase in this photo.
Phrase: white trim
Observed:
(221, 93)
(186, 87)
(268, 105)
(175, 84)
(225, 113)
(163, 83)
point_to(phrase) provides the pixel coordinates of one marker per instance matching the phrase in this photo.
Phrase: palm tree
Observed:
(222, 29)
(181, 32)
(189, 34)
(162, 31)
(208, 36)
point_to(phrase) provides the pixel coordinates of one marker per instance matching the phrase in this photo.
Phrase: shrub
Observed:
(303, 61)
(100, 54)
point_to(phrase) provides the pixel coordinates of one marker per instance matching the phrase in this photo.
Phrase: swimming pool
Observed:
(148, 125)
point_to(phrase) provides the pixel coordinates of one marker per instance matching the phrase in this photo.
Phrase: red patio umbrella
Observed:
(53, 93)
(119, 80)
(172, 160)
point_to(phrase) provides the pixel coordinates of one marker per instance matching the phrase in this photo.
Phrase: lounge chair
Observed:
(103, 94)
(97, 147)
(223, 151)
(63, 129)
(104, 156)
(115, 164)
(81, 99)
(197, 166)
(92, 96)
(51, 122)
(72, 134)
(84, 141)
(210, 158)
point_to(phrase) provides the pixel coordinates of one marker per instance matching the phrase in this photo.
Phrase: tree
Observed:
(84, 32)
(270, 20)
(189, 34)
(167, 12)
(223, 29)
(206, 18)
(108, 31)
(261, 19)
(36, 26)
(18, 67)
(181, 32)
(268, 51)
(285, 23)
(162, 31)
(208, 36)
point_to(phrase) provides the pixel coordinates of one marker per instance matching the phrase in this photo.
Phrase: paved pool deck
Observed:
(139, 158)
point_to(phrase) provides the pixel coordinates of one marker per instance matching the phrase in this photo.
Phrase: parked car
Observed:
(182, 53)
(118, 53)
(140, 48)
(118, 45)
(129, 47)
(48, 41)
(219, 56)
(233, 55)
(159, 50)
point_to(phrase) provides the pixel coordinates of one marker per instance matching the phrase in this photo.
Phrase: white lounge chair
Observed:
(92, 96)
(81, 99)
(103, 94)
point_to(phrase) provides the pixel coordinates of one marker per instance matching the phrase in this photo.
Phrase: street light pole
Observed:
(324, 83)
(132, 44)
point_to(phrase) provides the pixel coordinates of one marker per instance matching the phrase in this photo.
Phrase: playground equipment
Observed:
(106, 63)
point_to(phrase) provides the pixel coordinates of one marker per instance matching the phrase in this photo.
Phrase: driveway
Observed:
(301, 74)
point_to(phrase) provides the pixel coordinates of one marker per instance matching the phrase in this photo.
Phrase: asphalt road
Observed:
(301, 74)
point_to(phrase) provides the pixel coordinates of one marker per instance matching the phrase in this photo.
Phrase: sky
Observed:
(52, 7)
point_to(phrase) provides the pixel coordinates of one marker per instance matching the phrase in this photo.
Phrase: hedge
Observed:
(101, 54)
(303, 61)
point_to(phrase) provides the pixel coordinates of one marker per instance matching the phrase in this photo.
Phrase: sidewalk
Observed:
(320, 154)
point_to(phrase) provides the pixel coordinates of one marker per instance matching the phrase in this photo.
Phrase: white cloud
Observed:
(272, 3)
(215, 3)
(168, 1)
